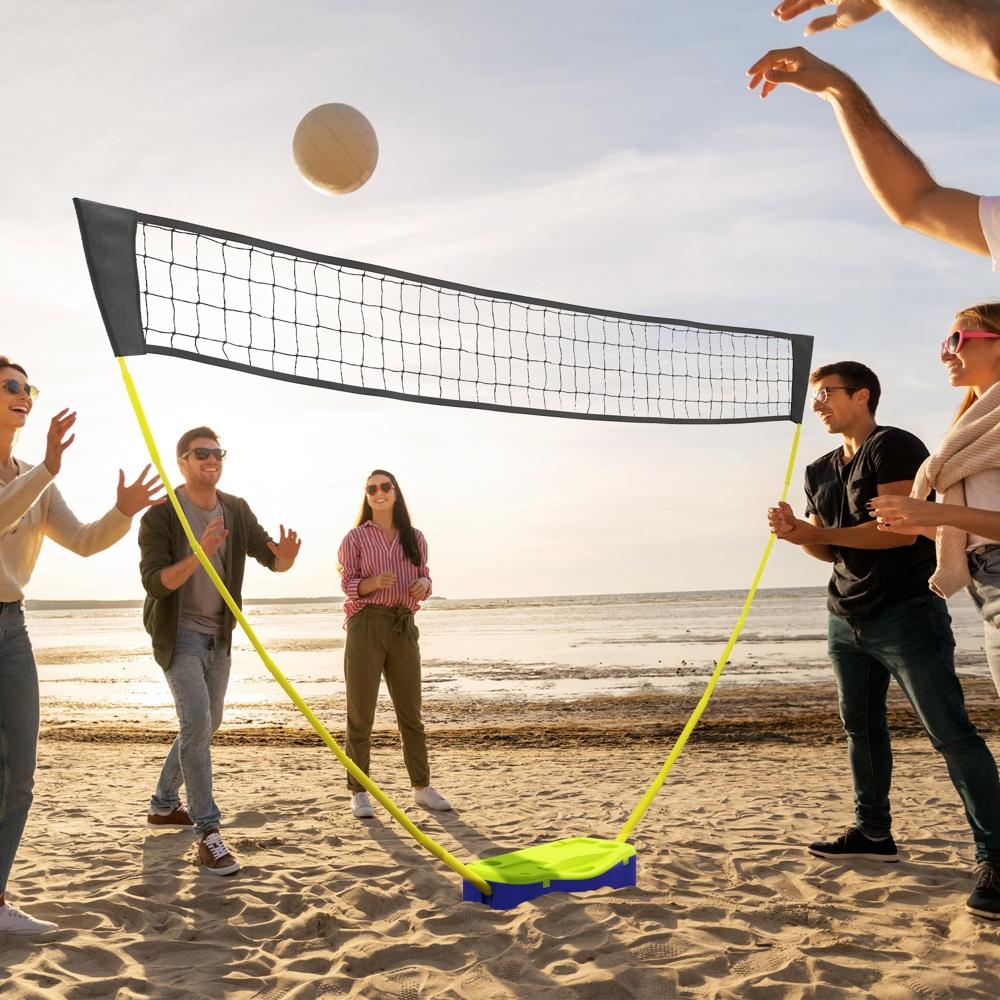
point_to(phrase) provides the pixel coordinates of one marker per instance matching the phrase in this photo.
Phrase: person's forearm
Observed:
(898, 179)
(965, 33)
(18, 496)
(821, 552)
(179, 573)
(893, 173)
(863, 536)
(365, 587)
(974, 520)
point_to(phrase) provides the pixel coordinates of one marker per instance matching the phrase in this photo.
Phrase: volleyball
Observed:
(335, 148)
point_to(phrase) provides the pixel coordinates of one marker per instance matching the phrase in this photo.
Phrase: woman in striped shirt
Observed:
(383, 572)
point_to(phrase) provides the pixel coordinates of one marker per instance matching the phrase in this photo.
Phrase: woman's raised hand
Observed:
(56, 442)
(140, 494)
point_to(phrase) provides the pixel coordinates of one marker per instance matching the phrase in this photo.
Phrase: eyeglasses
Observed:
(372, 488)
(822, 395)
(15, 388)
(952, 344)
(202, 454)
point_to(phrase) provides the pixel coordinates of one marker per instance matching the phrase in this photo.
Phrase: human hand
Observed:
(213, 536)
(789, 528)
(383, 580)
(902, 515)
(287, 546)
(780, 518)
(55, 444)
(797, 66)
(140, 494)
(419, 589)
(848, 12)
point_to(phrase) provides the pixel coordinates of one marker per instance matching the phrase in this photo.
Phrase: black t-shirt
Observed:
(866, 581)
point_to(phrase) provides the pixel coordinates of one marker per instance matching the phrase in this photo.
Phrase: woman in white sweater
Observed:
(965, 471)
(31, 508)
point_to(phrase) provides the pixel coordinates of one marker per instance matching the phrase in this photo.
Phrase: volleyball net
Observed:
(175, 288)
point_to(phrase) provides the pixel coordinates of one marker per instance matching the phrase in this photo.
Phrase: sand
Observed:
(728, 904)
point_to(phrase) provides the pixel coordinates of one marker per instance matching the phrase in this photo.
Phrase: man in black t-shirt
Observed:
(884, 620)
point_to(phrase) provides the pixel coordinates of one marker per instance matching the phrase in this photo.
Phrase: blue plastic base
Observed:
(505, 896)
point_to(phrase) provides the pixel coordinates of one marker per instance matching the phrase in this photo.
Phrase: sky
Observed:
(601, 153)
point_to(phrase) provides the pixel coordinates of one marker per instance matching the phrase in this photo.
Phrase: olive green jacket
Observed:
(162, 542)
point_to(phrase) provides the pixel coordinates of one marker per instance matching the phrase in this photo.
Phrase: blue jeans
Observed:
(912, 643)
(198, 678)
(18, 732)
(984, 567)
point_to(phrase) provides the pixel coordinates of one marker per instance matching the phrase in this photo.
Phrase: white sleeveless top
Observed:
(982, 490)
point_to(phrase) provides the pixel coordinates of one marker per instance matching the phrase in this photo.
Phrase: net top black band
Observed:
(170, 287)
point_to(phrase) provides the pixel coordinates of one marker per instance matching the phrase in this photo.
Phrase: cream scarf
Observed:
(972, 445)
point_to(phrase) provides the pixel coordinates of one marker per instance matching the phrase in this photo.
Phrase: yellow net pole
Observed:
(418, 835)
(647, 799)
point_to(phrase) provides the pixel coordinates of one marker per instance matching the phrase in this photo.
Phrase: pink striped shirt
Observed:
(366, 552)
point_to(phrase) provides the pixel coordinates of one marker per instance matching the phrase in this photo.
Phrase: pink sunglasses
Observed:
(954, 341)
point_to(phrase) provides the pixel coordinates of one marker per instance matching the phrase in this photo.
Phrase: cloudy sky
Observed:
(603, 153)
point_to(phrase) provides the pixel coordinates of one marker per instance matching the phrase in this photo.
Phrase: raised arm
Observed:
(20, 495)
(893, 173)
(965, 33)
(64, 528)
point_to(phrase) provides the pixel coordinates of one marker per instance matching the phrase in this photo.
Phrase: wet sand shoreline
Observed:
(804, 714)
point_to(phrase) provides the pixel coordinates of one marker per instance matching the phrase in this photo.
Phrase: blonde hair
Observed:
(986, 316)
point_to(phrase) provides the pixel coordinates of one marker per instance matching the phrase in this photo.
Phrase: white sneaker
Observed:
(15, 921)
(361, 806)
(431, 799)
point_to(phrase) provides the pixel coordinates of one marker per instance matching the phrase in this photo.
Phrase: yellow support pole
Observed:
(418, 835)
(647, 799)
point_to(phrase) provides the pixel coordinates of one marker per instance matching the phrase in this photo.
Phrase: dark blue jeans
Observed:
(18, 732)
(912, 643)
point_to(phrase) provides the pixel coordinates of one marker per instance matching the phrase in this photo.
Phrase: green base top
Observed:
(563, 860)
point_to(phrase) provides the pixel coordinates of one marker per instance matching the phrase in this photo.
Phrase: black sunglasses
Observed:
(15, 388)
(373, 488)
(202, 453)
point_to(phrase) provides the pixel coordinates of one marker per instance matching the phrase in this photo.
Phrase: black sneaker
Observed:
(985, 898)
(852, 843)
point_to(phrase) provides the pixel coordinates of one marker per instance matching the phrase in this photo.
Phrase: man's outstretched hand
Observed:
(847, 13)
(797, 66)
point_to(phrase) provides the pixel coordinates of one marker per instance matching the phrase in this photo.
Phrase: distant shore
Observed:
(338, 599)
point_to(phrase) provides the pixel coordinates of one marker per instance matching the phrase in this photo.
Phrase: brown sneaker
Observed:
(214, 856)
(176, 817)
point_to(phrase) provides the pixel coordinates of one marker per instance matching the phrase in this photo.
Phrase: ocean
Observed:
(95, 663)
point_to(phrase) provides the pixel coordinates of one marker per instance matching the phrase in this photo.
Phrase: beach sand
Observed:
(728, 904)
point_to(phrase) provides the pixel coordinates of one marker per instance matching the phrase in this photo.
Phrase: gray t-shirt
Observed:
(202, 607)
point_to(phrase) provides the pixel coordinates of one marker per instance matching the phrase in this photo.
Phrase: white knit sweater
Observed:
(32, 507)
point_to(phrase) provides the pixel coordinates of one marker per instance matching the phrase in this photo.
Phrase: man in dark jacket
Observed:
(191, 627)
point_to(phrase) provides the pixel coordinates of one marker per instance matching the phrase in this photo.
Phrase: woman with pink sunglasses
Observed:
(965, 472)
(383, 573)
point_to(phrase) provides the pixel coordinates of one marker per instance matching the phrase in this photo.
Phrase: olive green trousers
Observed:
(383, 640)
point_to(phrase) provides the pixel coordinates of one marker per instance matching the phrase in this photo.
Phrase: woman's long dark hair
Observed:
(400, 518)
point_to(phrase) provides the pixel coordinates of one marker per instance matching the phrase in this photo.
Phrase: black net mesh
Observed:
(357, 327)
